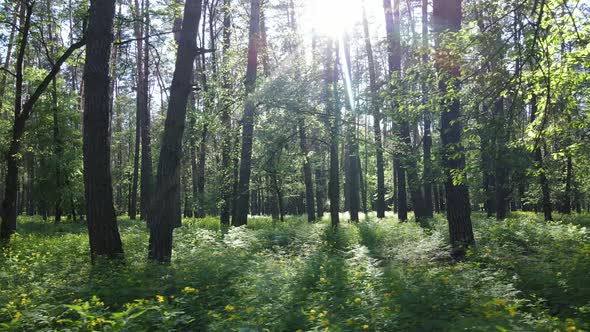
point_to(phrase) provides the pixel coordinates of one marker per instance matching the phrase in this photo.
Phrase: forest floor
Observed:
(523, 275)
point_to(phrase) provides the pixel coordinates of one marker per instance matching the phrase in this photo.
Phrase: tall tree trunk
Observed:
(502, 186)
(319, 190)
(307, 172)
(392, 27)
(352, 169)
(145, 119)
(57, 142)
(567, 195)
(248, 119)
(226, 176)
(200, 209)
(193, 147)
(334, 109)
(447, 17)
(18, 8)
(165, 209)
(133, 206)
(427, 139)
(102, 222)
(539, 165)
(380, 205)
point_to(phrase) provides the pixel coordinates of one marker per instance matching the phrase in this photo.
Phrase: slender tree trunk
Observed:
(193, 147)
(502, 171)
(567, 195)
(380, 205)
(133, 207)
(165, 209)
(226, 176)
(319, 190)
(248, 119)
(402, 158)
(539, 164)
(447, 17)
(334, 108)
(18, 8)
(102, 222)
(427, 139)
(307, 172)
(145, 119)
(200, 209)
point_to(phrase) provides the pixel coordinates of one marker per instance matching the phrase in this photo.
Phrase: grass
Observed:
(523, 275)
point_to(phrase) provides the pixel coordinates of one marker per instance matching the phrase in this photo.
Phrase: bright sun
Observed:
(333, 17)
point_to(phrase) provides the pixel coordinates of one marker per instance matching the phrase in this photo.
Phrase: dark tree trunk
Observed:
(363, 186)
(248, 119)
(133, 206)
(29, 183)
(226, 176)
(380, 204)
(352, 169)
(447, 17)
(392, 25)
(57, 151)
(502, 165)
(320, 185)
(488, 166)
(193, 147)
(165, 209)
(436, 199)
(102, 223)
(567, 195)
(331, 87)
(18, 8)
(539, 165)
(427, 139)
(200, 208)
(145, 120)
(307, 172)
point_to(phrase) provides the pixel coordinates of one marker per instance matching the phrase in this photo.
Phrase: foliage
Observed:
(378, 276)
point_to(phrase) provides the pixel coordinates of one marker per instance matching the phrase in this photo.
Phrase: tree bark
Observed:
(539, 165)
(165, 209)
(18, 8)
(102, 223)
(427, 139)
(447, 17)
(226, 176)
(145, 119)
(392, 26)
(334, 109)
(243, 194)
(380, 204)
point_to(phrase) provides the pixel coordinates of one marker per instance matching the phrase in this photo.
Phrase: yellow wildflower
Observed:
(357, 300)
(365, 327)
(230, 308)
(188, 289)
(160, 298)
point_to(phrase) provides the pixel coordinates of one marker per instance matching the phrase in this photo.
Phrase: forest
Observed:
(294, 165)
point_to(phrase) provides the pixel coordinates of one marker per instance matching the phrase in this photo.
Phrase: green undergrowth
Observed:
(379, 275)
